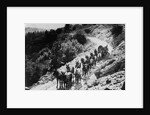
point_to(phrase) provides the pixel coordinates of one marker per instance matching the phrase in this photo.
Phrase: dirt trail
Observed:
(97, 42)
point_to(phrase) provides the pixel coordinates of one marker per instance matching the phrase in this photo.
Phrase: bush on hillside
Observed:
(33, 72)
(80, 37)
(76, 27)
(70, 49)
(87, 31)
(44, 54)
(59, 30)
(64, 36)
(84, 24)
(117, 29)
(67, 28)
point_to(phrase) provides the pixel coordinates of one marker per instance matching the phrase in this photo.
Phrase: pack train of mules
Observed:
(73, 75)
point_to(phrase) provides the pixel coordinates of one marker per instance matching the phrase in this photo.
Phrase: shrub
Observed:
(70, 49)
(84, 24)
(43, 55)
(64, 51)
(76, 27)
(59, 30)
(30, 71)
(117, 29)
(33, 72)
(87, 31)
(80, 38)
(64, 36)
(67, 28)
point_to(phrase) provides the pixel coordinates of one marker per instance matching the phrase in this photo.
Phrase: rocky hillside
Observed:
(108, 73)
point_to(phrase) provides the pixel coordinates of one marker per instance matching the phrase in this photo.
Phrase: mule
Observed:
(58, 77)
(77, 77)
(85, 70)
(68, 80)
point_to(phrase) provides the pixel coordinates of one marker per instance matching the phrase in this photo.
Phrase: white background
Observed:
(18, 97)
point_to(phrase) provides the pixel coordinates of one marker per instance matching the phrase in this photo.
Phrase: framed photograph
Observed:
(74, 57)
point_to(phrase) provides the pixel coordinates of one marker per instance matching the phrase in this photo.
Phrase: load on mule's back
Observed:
(92, 60)
(77, 76)
(73, 76)
(102, 52)
(67, 68)
(78, 65)
(85, 66)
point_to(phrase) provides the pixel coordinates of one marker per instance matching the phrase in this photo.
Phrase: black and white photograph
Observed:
(55, 54)
(74, 56)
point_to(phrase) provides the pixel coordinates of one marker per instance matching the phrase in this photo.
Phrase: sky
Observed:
(44, 25)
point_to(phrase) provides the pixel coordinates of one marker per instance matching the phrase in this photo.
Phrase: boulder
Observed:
(84, 87)
(91, 80)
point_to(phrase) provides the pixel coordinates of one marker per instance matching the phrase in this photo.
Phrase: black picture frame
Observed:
(64, 3)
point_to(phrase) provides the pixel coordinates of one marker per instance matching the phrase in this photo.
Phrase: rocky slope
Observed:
(108, 74)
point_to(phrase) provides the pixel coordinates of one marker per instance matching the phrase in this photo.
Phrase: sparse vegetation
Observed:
(80, 37)
(87, 31)
(33, 72)
(117, 29)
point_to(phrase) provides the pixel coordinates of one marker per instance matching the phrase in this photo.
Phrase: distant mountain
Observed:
(30, 29)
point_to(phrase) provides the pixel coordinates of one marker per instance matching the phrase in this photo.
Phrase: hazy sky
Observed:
(44, 25)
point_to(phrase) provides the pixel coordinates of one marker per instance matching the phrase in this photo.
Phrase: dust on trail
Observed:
(99, 42)
(51, 85)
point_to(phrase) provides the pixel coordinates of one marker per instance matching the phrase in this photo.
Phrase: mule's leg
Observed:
(65, 85)
(57, 83)
(88, 70)
(76, 80)
(73, 79)
(71, 82)
(61, 84)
